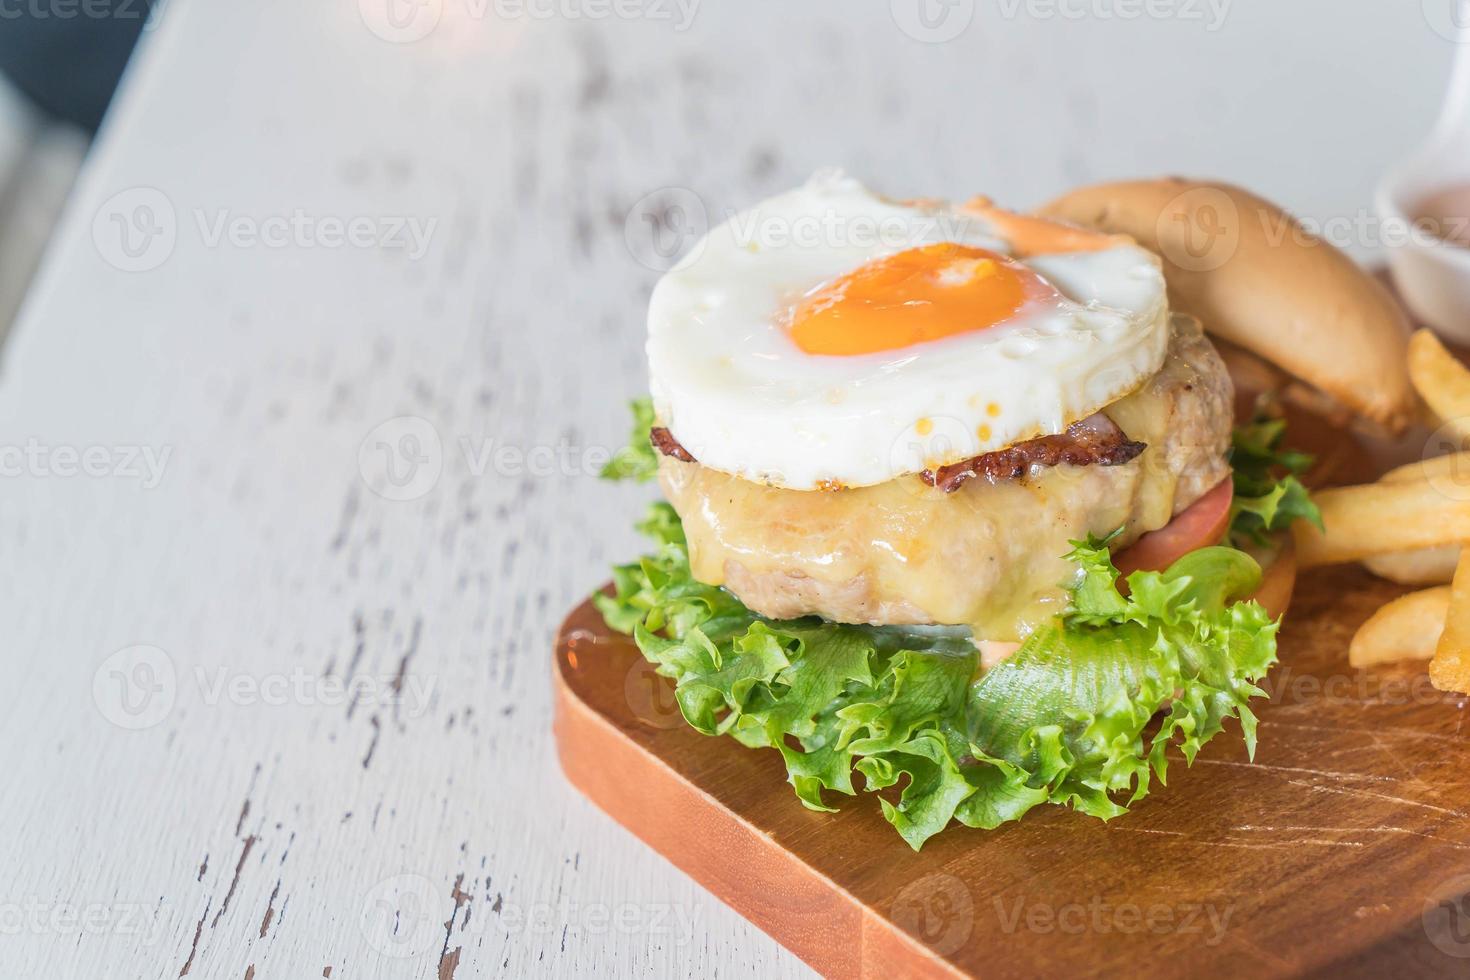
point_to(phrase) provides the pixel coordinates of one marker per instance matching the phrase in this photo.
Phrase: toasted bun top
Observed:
(1256, 277)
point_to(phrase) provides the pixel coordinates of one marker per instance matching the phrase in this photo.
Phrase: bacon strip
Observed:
(1096, 440)
(663, 440)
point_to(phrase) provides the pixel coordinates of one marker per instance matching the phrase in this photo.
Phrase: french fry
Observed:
(1427, 566)
(1450, 668)
(1407, 628)
(1441, 380)
(1378, 518)
(1453, 467)
(1408, 528)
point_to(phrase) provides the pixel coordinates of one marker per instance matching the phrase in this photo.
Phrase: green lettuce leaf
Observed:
(1061, 721)
(638, 460)
(1268, 494)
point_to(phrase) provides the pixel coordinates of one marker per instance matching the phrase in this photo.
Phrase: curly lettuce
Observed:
(1065, 720)
(638, 460)
(1060, 721)
(1269, 495)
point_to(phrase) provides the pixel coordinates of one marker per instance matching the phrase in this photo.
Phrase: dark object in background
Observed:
(67, 58)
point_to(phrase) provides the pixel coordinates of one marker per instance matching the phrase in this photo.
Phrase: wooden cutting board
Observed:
(1344, 847)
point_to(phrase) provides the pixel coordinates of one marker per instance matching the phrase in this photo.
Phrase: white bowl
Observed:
(1432, 275)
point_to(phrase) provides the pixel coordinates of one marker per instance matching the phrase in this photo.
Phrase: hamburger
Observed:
(956, 512)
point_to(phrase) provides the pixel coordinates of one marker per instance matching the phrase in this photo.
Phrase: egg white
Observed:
(737, 392)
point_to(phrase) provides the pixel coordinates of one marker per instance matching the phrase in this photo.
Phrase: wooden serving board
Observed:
(1345, 845)
(1342, 849)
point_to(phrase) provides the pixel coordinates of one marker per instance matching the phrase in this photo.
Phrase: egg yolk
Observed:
(910, 297)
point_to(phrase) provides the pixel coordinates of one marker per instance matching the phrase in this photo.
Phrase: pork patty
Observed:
(988, 554)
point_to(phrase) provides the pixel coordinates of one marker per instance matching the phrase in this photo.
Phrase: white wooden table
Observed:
(259, 442)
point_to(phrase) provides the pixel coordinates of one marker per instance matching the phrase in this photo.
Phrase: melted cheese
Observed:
(988, 555)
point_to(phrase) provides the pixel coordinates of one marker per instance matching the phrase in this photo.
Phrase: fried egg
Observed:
(829, 337)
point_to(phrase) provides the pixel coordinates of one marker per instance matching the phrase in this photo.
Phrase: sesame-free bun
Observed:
(1257, 278)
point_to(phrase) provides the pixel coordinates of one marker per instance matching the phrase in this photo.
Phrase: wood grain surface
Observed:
(1333, 851)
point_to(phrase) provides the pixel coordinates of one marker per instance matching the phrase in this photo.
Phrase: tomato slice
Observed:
(1278, 580)
(1202, 523)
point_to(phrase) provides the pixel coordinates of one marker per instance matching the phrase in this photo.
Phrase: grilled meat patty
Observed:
(987, 553)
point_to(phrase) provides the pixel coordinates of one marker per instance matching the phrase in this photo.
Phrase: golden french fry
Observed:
(1441, 380)
(1430, 566)
(1454, 467)
(1450, 668)
(1379, 518)
(1405, 629)
(1427, 566)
